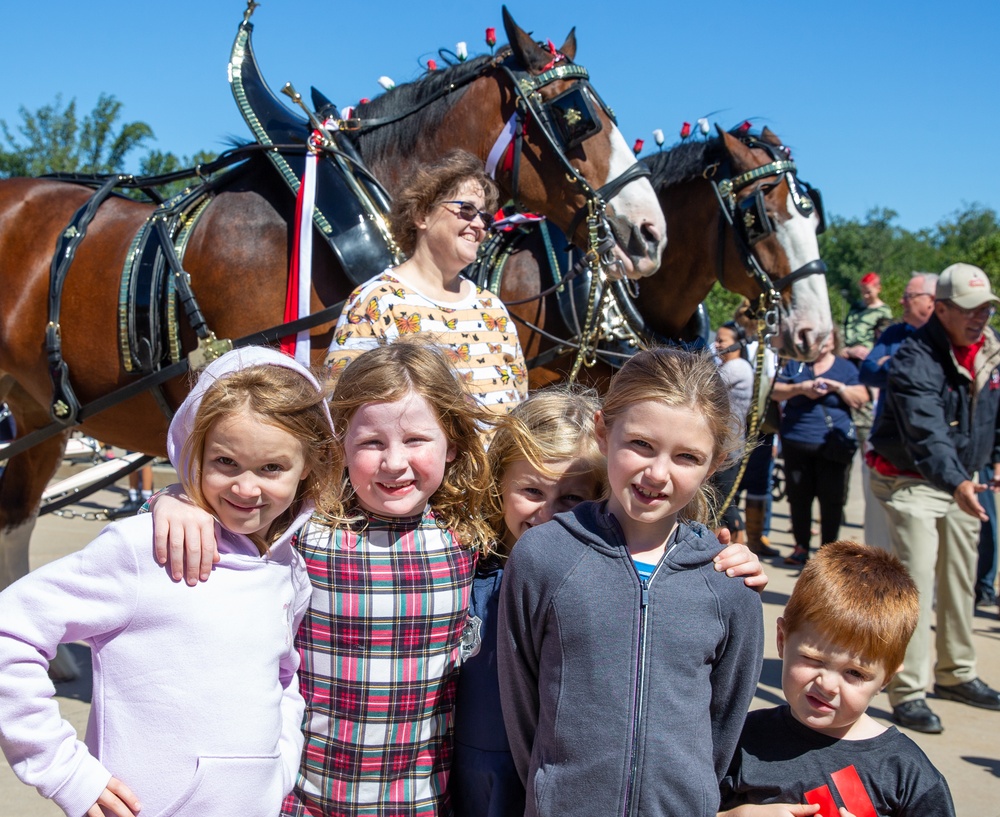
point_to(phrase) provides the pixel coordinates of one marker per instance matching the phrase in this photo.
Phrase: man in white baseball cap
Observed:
(938, 427)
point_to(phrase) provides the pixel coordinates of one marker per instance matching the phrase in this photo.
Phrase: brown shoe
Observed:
(756, 540)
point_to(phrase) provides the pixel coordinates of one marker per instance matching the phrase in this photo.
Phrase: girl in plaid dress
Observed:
(391, 569)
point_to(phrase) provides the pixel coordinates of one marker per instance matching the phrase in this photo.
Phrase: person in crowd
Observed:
(391, 567)
(859, 325)
(759, 472)
(439, 220)
(545, 460)
(627, 662)
(986, 562)
(818, 441)
(937, 428)
(140, 489)
(737, 373)
(918, 306)
(859, 337)
(196, 708)
(841, 639)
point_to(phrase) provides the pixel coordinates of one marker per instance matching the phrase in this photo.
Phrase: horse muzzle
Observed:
(639, 246)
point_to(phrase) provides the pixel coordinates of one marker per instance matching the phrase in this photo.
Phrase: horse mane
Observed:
(403, 134)
(687, 160)
(682, 162)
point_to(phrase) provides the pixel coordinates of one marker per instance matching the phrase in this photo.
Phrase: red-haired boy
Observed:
(842, 637)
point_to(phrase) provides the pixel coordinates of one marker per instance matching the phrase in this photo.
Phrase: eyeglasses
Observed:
(468, 211)
(984, 312)
(909, 296)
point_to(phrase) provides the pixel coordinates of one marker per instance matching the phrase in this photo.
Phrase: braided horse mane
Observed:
(402, 135)
(687, 160)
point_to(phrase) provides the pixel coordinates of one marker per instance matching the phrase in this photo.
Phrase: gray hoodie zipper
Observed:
(640, 674)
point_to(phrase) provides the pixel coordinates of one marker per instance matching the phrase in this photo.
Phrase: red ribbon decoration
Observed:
(556, 56)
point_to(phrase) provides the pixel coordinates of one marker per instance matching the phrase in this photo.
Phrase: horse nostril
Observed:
(650, 234)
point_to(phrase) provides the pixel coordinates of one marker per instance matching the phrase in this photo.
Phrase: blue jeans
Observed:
(986, 569)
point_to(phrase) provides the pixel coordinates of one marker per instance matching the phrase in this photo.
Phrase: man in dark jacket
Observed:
(938, 426)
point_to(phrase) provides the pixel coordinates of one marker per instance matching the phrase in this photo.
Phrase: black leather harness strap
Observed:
(266, 336)
(64, 405)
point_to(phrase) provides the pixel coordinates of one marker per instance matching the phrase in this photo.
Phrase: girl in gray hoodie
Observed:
(627, 662)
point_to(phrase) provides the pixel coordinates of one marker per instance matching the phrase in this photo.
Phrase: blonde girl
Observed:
(196, 709)
(391, 565)
(545, 460)
(626, 660)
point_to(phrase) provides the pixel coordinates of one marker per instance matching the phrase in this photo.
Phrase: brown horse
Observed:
(238, 253)
(705, 247)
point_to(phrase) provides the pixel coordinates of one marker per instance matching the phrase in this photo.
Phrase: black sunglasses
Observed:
(468, 211)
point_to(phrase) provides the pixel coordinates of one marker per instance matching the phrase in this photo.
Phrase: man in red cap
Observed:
(937, 427)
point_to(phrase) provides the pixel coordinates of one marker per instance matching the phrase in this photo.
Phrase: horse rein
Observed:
(725, 190)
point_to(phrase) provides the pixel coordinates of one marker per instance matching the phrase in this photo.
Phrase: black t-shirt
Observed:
(779, 761)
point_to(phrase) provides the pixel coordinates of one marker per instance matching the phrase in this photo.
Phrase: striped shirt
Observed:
(379, 648)
(477, 333)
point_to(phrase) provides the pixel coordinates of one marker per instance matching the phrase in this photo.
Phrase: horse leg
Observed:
(21, 486)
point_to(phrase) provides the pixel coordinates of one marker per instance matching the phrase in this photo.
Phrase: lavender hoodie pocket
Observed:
(227, 786)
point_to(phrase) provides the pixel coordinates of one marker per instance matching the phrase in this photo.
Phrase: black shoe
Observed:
(916, 715)
(763, 549)
(973, 693)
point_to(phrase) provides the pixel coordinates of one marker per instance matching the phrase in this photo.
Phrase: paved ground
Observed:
(968, 752)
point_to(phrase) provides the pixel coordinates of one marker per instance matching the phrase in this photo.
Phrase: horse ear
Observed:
(568, 48)
(768, 135)
(529, 53)
(738, 152)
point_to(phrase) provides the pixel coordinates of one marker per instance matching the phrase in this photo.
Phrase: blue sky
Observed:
(885, 104)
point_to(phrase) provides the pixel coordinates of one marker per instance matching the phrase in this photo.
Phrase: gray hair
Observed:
(930, 281)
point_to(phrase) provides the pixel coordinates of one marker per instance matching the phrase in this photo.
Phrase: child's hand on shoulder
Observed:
(183, 536)
(117, 799)
(777, 810)
(738, 560)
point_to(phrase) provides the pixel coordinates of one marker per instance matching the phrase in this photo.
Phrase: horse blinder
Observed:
(752, 218)
(817, 200)
(573, 116)
(807, 200)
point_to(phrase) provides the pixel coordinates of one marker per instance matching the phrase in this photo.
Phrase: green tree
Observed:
(158, 163)
(54, 139)
(851, 247)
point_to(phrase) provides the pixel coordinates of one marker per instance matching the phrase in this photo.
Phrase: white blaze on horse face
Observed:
(637, 204)
(807, 322)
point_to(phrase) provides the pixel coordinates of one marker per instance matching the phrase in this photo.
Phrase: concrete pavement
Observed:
(968, 753)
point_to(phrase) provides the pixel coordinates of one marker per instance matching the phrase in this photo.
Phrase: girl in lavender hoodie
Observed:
(196, 709)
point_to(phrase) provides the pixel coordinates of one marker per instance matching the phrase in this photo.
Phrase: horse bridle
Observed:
(749, 222)
(565, 122)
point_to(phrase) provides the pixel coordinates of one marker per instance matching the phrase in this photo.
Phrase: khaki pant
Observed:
(876, 521)
(938, 543)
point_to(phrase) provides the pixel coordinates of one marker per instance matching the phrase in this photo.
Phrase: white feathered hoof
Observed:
(63, 667)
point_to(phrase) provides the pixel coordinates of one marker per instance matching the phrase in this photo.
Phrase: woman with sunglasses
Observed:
(439, 220)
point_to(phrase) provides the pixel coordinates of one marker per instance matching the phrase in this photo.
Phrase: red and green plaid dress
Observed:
(379, 647)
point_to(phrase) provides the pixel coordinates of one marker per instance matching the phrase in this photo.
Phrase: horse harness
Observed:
(156, 251)
(749, 222)
(155, 254)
